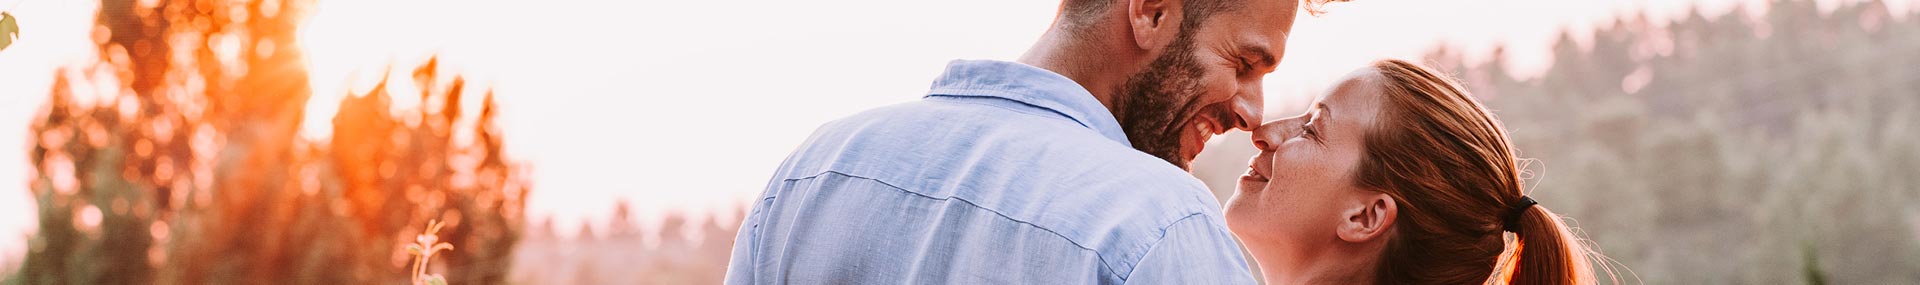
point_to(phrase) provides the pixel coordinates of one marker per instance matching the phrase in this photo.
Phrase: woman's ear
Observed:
(1370, 217)
(1155, 22)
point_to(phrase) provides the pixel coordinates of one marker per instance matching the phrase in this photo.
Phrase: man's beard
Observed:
(1157, 106)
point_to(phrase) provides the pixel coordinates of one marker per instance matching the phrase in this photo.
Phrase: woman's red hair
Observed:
(1448, 165)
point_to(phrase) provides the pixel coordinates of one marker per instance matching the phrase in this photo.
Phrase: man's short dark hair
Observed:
(1076, 15)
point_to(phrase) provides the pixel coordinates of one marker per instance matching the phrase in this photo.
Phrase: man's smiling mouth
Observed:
(1205, 127)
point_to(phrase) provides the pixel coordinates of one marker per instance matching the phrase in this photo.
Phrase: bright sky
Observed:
(690, 105)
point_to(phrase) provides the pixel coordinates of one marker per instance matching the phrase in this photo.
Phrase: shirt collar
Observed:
(1028, 85)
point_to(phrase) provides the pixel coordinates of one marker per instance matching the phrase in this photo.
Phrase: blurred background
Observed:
(618, 142)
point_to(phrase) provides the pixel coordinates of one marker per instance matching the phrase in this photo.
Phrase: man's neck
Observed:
(1083, 62)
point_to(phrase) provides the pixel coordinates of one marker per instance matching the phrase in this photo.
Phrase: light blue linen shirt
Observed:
(1003, 174)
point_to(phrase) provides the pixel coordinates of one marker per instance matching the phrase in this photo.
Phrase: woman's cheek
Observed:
(1298, 173)
(1287, 164)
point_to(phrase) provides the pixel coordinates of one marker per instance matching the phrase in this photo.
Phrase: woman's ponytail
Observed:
(1547, 254)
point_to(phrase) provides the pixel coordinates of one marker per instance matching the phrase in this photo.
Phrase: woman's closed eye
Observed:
(1311, 130)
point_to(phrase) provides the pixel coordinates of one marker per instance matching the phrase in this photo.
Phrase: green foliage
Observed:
(1811, 266)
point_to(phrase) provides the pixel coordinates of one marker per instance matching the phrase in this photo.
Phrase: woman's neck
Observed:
(1325, 267)
(1323, 275)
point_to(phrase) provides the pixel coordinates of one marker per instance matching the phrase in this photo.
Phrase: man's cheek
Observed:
(1220, 89)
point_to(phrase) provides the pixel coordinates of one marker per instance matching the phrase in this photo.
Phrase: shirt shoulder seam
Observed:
(1156, 243)
(1056, 114)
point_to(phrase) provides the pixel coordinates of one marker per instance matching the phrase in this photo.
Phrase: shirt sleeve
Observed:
(740, 266)
(1195, 250)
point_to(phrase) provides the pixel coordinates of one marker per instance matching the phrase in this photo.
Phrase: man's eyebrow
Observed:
(1261, 54)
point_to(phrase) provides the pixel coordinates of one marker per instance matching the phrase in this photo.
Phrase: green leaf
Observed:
(9, 29)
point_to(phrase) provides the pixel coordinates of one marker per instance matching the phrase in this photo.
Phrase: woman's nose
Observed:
(1270, 134)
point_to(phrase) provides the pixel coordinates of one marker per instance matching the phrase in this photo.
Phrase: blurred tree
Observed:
(175, 159)
(684, 251)
(1732, 149)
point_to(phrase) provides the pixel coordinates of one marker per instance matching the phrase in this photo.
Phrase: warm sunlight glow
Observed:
(621, 142)
(688, 106)
(350, 44)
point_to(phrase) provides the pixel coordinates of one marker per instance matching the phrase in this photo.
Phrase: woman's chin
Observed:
(1247, 188)
(1242, 214)
(1249, 183)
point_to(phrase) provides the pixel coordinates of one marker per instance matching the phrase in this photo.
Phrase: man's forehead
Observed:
(1265, 22)
(1271, 12)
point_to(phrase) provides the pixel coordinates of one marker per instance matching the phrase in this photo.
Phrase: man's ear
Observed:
(1155, 22)
(1369, 218)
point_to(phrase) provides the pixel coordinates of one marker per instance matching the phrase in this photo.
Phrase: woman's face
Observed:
(1289, 203)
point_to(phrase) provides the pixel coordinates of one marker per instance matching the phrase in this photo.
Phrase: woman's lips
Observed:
(1255, 179)
(1253, 174)
(1252, 182)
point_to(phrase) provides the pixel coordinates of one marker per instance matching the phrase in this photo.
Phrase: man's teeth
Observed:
(1205, 129)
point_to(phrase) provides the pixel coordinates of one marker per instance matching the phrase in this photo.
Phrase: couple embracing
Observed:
(1070, 167)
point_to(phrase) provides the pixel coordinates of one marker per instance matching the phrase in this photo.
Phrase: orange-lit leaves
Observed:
(9, 30)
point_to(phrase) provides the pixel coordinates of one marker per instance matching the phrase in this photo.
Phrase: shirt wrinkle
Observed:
(977, 206)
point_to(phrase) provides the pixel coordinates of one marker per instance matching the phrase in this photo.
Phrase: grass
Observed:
(423, 248)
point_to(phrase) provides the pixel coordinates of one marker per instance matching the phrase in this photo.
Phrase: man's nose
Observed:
(1269, 135)
(1247, 108)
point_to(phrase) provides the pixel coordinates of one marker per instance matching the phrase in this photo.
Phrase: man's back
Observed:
(1004, 174)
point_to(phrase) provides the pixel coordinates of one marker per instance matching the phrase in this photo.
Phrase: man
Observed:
(1068, 167)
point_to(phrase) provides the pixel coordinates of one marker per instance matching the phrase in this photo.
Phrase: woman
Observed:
(1397, 176)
